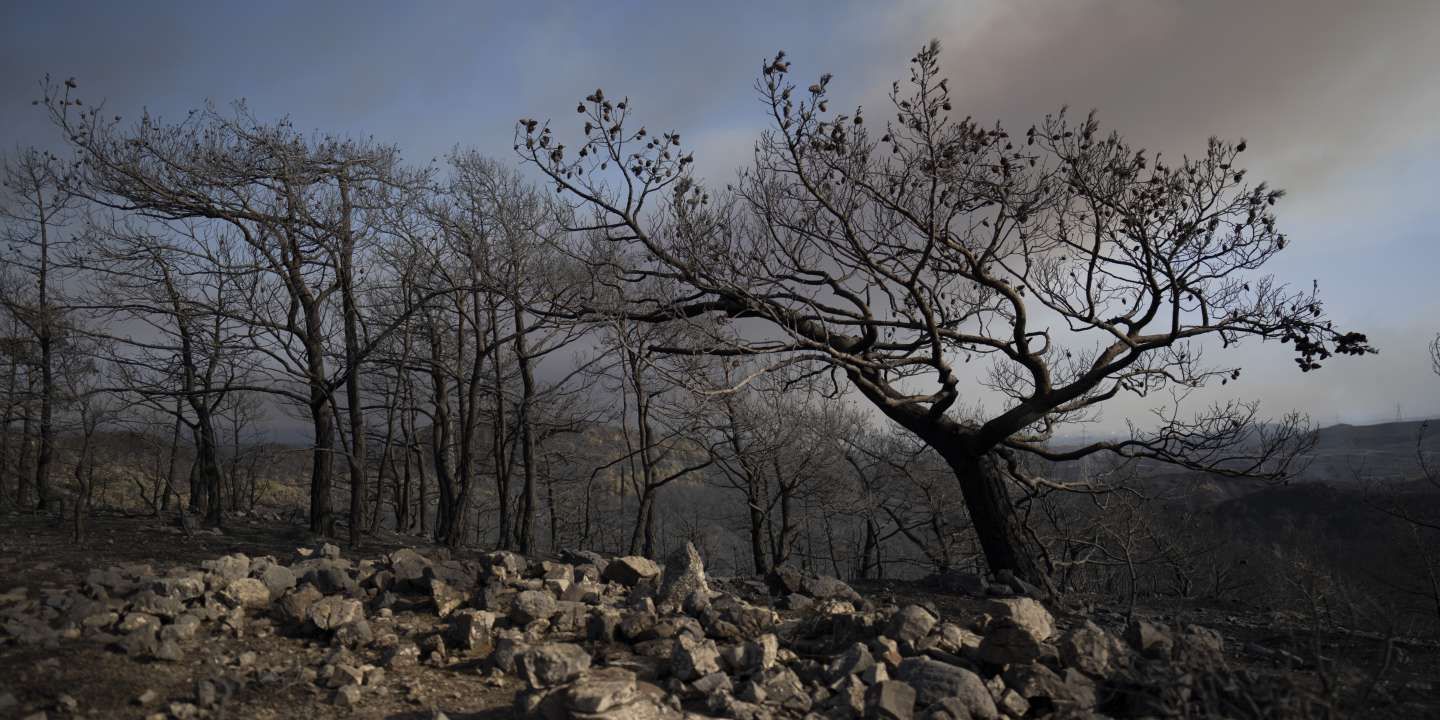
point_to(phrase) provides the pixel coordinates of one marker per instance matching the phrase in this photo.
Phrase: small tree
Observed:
(1081, 267)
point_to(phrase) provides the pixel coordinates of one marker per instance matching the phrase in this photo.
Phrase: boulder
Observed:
(445, 597)
(330, 612)
(909, 624)
(248, 593)
(470, 631)
(1150, 639)
(1007, 643)
(1025, 613)
(532, 605)
(277, 579)
(890, 700)
(693, 657)
(409, 568)
(684, 574)
(1091, 650)
(630, 570)
(934, 681)
(554, 664)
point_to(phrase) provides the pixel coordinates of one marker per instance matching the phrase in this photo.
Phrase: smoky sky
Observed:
(1339, 102)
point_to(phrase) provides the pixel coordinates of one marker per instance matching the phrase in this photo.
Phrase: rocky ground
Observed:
(258, 622)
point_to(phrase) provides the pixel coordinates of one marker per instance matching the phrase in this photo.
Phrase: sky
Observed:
(1339, 102)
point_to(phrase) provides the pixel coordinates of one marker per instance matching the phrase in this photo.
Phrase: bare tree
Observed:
(1082, 267)
(35, 204)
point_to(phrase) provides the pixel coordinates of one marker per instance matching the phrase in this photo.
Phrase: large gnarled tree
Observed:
(1080, 267)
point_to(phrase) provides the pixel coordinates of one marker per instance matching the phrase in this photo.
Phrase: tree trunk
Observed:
(322, 514)
(22, 491)
(527, 439)
(497, 435)
(1003, 538)
(47, 425)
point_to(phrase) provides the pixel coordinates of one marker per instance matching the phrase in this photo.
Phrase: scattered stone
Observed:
(890, 700)
(532, 605)
(469, 631)
(1025, 613)
(684, 575)
(248, 593)
(694, 657)
(910, 624)
(445, 597)
(630, 570)
(1152, 640)
(1089, 649)
(348, 696)
(934, 681)
(554, 664)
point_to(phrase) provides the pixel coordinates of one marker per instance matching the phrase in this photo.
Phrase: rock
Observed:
(330, 612)
(348, 696)
(824, 587)
(847, 698)
(161, 606)
(168, 649)
(354, 634)
(532, 605)
(141, 643)
(228, 568)
(755, 656)
(855, 660)
(890, 700)
(1025, 613)
(909, 624)
(713, 684)
(554, 664)
(934, 681)
(470, 631)
(1198, 648)
(1013, 703)
(408, 567)
(1152, 640)
(278, 579)
(1091, 650)
(684, 574)
(786, 581)
(329, 576)
(691, 658)
(783, 687)
(1036, 682)
(630, 570)
(445, 597)
(601, 691)
(953, 639)
(1007, 643)
(401, 655)
(184, 628)
(730, 618)
(137, 621)
(294, 606)
(247, 593)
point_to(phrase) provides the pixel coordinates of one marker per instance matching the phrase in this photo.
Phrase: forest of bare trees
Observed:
(860, 356)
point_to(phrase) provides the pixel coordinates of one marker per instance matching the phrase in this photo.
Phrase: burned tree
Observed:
(1080, 267)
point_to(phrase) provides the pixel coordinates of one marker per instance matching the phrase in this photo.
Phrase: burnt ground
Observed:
(35, 554)
(1358, 675)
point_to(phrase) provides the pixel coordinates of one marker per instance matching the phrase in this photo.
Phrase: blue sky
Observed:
(1338, 100)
